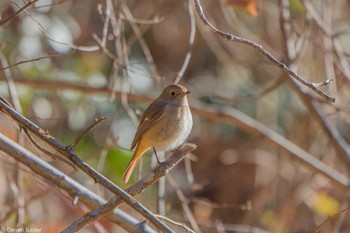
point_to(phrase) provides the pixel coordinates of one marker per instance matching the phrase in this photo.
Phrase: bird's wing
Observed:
(152, 114)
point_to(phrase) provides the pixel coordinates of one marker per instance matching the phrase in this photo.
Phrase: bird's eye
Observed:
(172, 93)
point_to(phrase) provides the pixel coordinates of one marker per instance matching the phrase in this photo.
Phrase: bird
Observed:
(164, 125)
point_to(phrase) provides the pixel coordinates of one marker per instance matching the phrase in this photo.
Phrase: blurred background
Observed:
(65, 63)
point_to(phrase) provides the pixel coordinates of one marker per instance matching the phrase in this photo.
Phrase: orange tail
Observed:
(140, 150)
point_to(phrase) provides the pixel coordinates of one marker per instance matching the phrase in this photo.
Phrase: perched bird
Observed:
(164, 125)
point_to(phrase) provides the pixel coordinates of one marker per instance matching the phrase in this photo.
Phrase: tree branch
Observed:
(86, 131)
(8, 19)
(191, 42)
(261, 50)
(133, 190)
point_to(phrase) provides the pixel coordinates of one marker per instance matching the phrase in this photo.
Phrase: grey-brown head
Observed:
(174, 93)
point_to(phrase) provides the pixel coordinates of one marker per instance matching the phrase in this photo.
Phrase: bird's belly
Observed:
(168, 134)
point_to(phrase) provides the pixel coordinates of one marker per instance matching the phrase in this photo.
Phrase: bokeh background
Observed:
(235, 181)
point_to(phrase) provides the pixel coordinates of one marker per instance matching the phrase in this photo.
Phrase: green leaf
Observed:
(116, 162)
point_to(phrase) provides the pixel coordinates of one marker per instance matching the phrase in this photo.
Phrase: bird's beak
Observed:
(185, 93)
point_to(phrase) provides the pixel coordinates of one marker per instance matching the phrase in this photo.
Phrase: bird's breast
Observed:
(171, 130)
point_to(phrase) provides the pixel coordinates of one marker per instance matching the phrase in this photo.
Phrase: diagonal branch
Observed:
(51, 155)
(30, 60)
(86, 131)
(261, 50)
(133, 190)
(191, 42)
(8, 19)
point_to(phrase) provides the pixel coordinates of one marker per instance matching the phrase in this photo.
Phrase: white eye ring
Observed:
(172, 93)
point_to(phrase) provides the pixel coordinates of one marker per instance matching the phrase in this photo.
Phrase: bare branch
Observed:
(184, 203)
(10, 84)
(327, 30)
(191, 41)
(31, 60)
(8, 19)
(155, 20)
(266, 90)
(324, 83)
(53, 156)
(175, 223)
(330, 219)
(260, 49)
(86, 131)
(72, 46)
(236, 228)
(142, 43)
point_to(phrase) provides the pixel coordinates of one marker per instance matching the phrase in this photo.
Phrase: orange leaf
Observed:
(249, 6)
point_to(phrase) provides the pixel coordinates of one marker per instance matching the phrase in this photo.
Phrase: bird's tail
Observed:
(140, 150)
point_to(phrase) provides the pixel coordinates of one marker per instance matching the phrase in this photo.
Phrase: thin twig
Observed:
(330, 219)
(175, 223)
(104, 48)
(124, 97)
(327, 30)
(51, 4)
(161, 191)
(117, 29)
(52, 155)
(2, 22)
(10, 84)
(329, 59)
(340, 222)
(181, 72)
(184, 203)
(287, 32)
(260, 49)
(86, 131)
(237, 228)
(27, 202)
(324, 83)
(30, 60)
(247, 206)
(142, 43)
(189, 172)
(266, 90)
(156, 20)
(72, 46)
(106, 22)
